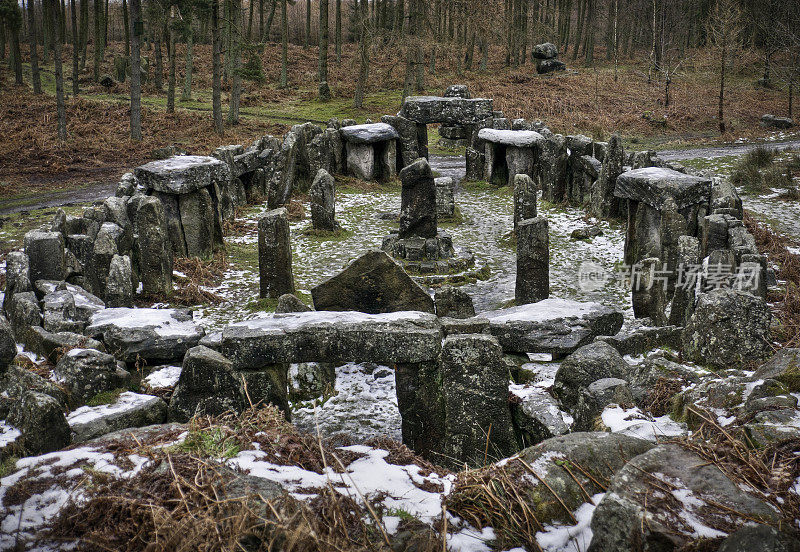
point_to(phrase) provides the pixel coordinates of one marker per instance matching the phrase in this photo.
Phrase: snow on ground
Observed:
(364, 407)
(8, 434)
(634, 422)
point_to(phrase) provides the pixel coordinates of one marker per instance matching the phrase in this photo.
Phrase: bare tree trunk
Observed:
(127, 29)
(324, 89)
(338, 31)
(721, 112)
(172, 59)
(284, 45)
(98, 38)
(59, 74)
(16, 51)
(363, 65)
(308, 24)
(136, 78)
(75, 46)
(236, 43)
(186, 95)
(157, 38)
(84, 33)
(35, 78)
(271, 17)
(216, 73)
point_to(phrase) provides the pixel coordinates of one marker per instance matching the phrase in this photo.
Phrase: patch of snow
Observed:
(570, 538)
(470, 539)
(543, 311)
(162, 321)
(8, 434)
(126, 401)
(635, 423)
(691, 504)
(163, 378)
(290, 321)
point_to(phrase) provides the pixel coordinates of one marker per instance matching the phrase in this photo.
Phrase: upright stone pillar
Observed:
(155, 251)
(649, 293)
(524, 198)
(421, 405)
(688, 265)
(475, 390)
(323, 202)
(275, 254)
(533, 261)
(46, 253)
(418, 201)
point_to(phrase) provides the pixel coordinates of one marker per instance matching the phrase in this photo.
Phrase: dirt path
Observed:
(723, 151)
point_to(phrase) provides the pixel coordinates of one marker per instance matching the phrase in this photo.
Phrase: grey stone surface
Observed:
(588, 364)
(52, 345)
(537, 417)
(41, 420)
(595, 397)
(412, 142)
(208, 385)
(452, 302)
(548, 50)
(119, 286)
(760, 538)
(87, 372)
(544, 66)
(602, 203)
(182, 174)
(477, 413)
(129, 411)
(517, 138)
(784, 366)
(525, 191)
(275, 254)
(290, 303)
(771, 121)
(418, 201)
(653, 185)
(728, 328)
(323, 202)
(454, 111)
(17, 277)
(154, 335)
(24, 314)
(445, 196)
(457, 91)
(197, 219)
(8, 347)
(45, 251)
(155, 253)
(533, 261)
(369, 134)
(16, 381)
(557, 326)
(627, 514)
(373, 283)
(361, 161)
(404, 337)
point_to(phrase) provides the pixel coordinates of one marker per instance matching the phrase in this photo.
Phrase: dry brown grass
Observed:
(774, 245)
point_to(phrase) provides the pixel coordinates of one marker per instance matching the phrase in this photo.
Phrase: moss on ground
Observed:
(105, 397)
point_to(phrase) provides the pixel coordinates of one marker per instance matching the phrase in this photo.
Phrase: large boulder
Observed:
(207, 385)
(323, 202)
(275, 254)
(668, 497)
(784, 367)
(8, 347)
(585, 366)
(452, 302)
(373, 283)
(17, 278)
(552, 478)
(155, 251)
(418, 201)
(548, 50)
(182, 174)
(129, 410)
(41, 420)
(45, 251)
(728, 328)
(87, 372)
(760, 538)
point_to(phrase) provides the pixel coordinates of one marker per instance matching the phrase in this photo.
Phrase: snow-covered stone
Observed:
(129, 410)
(516, 138)
(369, 134)
(653, 185)
(182, 174)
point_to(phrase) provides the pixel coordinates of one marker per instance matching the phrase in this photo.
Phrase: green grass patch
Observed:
(105, 397)
(455, 220)
(326, 235)
(212, 442)
(8, 466)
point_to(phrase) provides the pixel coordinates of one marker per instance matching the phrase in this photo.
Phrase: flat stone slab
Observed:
(331, 336)
(557, 326)
(182, 174)
(85, 303)
(130, 410)
(152, 334)
(369, 134)
(653, 185)
(451, 111)
(516, 138)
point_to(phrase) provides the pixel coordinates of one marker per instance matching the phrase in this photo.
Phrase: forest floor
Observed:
(587, 100)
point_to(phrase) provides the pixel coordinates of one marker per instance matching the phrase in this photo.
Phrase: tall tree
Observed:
(338, 31)
(216, 72)
(52, 13)
(284, 45)
(173, 54)
(188, 35)
(724, 31)
(137, 25)
(84, 32)
(308, 24)
(11, 16)
(75, 48)
(365, 37)
(35, 78)
(98, 39)
(236, 54)
(324, 89)
(126, 29)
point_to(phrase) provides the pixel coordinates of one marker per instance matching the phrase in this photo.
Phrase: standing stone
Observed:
(533, 261)
(445, 196)
(275, 254)
(8, 347)
(119, 286)
(17, 277)
(323, 202)
(172, 213)
(672, 227)
(685, 290)
(155, 253)
(453, 302)
(649, 294)
(524, 198)
(553, 168)
(105, 248)
(477, 414)
(45, 252)
(87, 372)
(197, 219)
(41, 420)
(361, 160)
(418, 201)
(603, 203)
